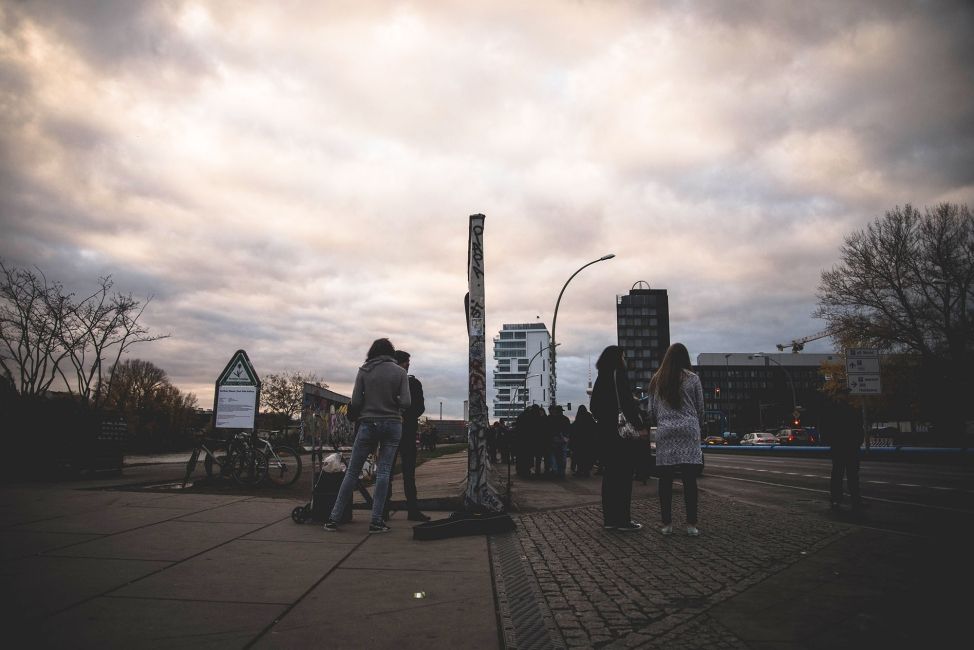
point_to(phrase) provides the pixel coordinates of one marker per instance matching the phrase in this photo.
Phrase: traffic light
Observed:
(796, 422)
(717, 392)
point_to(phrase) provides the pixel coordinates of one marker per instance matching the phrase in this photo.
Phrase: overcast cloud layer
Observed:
(295, 179)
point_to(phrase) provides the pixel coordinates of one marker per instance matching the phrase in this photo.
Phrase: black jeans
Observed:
(618, 463)
(407, 455)
(688, 474)
(845, 464)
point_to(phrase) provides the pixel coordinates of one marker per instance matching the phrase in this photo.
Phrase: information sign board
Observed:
(862, 371)
(237, 394)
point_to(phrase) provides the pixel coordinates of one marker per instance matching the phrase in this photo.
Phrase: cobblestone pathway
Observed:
(600, 588)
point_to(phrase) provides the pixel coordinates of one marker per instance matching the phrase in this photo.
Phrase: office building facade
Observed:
(520, 368)
(755, 392)
(643, 328)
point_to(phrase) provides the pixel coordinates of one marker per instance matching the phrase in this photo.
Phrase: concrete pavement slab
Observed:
(244, 571)
(171, 541)
(39, 586)
(106, 520)
(25, 543)
(125, 623)
(359, 608)
(310, 532)
(246, 511)
(398, 550)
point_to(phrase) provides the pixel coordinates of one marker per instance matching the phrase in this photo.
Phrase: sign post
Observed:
(863, 377)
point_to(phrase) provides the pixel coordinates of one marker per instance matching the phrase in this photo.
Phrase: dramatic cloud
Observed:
(294, 179)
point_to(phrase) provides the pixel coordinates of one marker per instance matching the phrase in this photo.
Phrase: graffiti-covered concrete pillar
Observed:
(479, 494)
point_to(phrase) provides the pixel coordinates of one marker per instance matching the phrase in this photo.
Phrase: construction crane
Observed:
(797, 345)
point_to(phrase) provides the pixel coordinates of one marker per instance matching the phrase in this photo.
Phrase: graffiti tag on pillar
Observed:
(479, 494)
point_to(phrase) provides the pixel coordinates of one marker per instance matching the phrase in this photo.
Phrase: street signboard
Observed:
(862, 371)
(237, 394)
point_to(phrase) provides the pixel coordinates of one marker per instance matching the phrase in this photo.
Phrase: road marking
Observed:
(907, 485)
(864, 498)
(879, 482)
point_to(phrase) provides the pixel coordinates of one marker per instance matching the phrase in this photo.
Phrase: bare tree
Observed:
(906, 284)
(45, 333)
(98, 330)
(32, 315)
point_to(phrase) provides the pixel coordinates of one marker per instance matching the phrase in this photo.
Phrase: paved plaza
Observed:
(118, 562)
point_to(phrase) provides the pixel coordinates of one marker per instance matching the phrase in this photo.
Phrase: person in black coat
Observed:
(583, 441)
(845, 439)
(407, 446)
(610, 393)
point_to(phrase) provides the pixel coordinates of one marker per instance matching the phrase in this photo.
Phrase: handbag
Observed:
(624, 428)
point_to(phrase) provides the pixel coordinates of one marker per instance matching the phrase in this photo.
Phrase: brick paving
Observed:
(611, 589)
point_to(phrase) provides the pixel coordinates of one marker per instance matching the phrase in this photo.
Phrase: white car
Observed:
(759, 438)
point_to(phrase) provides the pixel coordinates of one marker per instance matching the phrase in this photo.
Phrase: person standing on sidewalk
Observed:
(676, 403)
(407, 446)
(845, 441)
(380, 395)
(610, 394)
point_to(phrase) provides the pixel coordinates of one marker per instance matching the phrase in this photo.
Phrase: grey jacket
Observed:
(381, 390)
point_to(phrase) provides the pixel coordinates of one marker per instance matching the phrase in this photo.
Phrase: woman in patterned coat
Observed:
(676, 403)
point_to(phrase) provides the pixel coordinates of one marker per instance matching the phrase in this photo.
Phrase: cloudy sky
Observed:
(295, 178)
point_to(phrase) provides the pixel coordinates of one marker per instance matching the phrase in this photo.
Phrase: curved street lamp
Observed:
(554, 320)
(794, 401)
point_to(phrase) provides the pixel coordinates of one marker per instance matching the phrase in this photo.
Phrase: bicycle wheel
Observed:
(216, 464)
(283, 465)
(248, 466)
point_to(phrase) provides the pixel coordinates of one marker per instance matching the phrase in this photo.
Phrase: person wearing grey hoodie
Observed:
(380, 395)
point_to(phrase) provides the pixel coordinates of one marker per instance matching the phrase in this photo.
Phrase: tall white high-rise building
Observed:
(521, 368)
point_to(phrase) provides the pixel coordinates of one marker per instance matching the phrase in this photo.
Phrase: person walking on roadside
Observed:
(676, 403)
(407, 446)
(380, 395)
(610, 394)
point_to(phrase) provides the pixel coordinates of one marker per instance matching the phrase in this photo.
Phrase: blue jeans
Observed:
(369, 433)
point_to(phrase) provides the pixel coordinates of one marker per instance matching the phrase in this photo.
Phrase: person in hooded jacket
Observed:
(380, 395)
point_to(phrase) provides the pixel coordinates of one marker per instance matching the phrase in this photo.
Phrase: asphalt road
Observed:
(922, 499)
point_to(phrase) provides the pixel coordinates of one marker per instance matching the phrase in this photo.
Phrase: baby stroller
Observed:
(329, 471)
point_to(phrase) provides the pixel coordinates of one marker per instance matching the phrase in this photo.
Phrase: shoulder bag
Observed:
(624, 428)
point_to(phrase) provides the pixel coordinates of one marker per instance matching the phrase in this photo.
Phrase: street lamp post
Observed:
(524, 384)
(794, 400)
(554, 320)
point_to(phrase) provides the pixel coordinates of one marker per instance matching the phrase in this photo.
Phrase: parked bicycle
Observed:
(283, 462)
(232, 457)
(249, 460)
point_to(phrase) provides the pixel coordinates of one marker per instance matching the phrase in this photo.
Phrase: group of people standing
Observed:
(549, 445)
(386, 404)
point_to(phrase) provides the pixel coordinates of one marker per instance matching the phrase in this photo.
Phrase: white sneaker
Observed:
(692, 531)
(667, 529)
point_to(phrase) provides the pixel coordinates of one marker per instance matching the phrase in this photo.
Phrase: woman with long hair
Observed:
(610, 394)
(676, 403)
(380, 395)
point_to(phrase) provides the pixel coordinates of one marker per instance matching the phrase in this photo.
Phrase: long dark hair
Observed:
(380, 347)
(610, 360)
(669, 378)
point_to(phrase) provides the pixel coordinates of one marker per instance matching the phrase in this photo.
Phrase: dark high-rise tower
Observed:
(643, 326)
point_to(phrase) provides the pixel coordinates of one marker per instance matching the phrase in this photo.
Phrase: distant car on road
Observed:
(759, 438)
(797, 437)
(714, 440)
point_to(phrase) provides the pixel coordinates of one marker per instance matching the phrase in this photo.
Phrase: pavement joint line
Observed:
(287, 610)
(197, 600)
(152, 573)
(97, 536)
